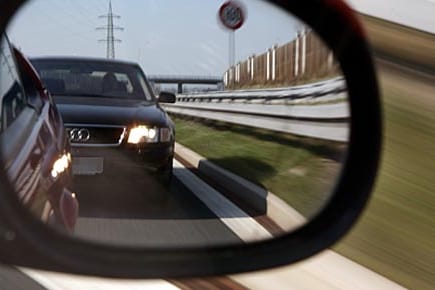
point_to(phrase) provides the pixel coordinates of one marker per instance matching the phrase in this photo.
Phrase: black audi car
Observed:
(113, 119)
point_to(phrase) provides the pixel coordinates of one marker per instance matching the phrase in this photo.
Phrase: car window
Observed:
(91, 78)
(143, 82)
(11, 92)
(123, 78)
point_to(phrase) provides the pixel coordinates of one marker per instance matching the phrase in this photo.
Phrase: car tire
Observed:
(55, 222)
(164, 173)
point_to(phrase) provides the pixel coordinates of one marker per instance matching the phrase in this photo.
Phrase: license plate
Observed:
(87, 165)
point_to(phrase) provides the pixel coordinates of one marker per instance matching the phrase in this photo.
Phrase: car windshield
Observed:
(93, 78)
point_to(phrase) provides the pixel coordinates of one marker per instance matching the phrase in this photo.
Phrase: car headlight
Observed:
(60, 165)
(145, 134)
(142, 134)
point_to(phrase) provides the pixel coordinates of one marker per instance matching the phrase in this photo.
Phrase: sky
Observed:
(173, 37)
(166, 37)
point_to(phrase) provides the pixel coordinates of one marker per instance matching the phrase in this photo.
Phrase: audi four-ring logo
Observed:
(78, 134)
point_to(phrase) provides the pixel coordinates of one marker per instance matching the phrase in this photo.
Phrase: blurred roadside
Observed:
(401, 44)
(396, 235)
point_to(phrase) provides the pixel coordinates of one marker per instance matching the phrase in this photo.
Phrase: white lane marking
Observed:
(61, 281)
(244, 226)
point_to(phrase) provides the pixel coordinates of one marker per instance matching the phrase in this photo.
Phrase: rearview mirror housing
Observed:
(24, 241)
(166, 97)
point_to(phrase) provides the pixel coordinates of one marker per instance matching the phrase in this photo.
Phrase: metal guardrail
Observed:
(185, 78)
(276, 109)
(314, 90)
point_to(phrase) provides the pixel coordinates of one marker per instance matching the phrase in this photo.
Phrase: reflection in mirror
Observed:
(252, 148)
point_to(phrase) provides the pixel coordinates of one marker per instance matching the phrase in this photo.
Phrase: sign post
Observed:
(232, 17)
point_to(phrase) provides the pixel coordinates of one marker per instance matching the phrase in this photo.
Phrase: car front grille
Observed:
(95, 135)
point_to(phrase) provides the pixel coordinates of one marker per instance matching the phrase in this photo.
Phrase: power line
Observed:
(110, 39)
(54, 19)
(63, 8)
(84, 12)
(91, 6)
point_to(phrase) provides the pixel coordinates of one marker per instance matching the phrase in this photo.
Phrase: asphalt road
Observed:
(13, 279)
(134, 209)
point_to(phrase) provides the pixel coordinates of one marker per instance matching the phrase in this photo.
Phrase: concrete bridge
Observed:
(181, 80)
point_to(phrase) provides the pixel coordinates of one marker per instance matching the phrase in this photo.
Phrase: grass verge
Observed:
(274, 161)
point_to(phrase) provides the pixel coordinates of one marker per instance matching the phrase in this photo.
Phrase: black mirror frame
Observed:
(25, 241)
(166, 97)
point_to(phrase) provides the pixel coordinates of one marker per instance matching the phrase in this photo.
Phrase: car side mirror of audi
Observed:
(166, 97)
(268, 157)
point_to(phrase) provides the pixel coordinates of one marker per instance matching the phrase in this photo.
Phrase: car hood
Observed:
(110, 111)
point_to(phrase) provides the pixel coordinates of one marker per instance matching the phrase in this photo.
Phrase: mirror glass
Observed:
(251, 149)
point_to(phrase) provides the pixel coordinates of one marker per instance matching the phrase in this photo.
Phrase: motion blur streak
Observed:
(395, 237)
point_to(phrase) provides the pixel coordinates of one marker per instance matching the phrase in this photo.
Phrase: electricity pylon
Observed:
(110, 39)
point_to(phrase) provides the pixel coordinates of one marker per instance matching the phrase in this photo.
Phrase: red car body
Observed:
(33, 143)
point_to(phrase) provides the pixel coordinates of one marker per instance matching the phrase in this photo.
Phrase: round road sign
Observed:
(231, 15)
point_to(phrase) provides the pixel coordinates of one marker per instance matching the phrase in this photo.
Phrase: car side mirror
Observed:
(166, 97)
(353, 110)
(31, 81)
